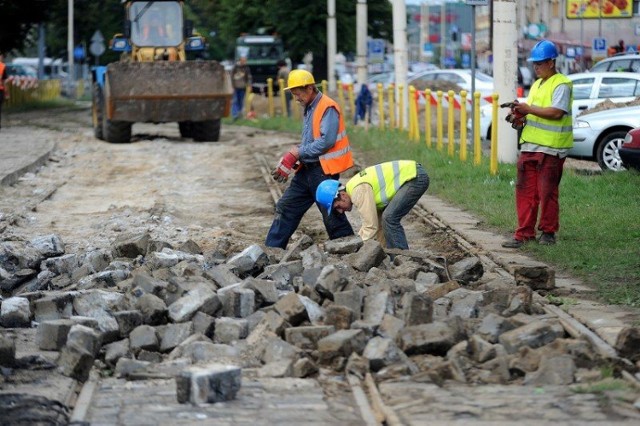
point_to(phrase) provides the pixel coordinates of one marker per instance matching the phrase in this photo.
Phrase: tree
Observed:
(17, 18)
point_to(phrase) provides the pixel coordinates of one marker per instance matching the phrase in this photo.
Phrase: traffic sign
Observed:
(599, 45)
(631, 49)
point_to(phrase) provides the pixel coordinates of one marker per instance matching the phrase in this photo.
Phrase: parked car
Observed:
(460, 77)
(630, 150)
(628, 62)
(600, 135)
(21, 71)
(589, 89)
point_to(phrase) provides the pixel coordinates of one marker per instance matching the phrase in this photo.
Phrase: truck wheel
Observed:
(186, 129)
(205, 131)
(96, 110)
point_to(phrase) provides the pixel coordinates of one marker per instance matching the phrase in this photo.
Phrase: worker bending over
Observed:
(383, 194)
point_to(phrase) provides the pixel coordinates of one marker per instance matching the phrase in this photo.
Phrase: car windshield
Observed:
(156, 23)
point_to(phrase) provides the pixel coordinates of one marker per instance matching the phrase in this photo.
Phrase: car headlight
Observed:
(579, 124)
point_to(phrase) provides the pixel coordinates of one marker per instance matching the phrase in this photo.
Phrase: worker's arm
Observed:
(328, 135)
(559, 105)
(363, 199)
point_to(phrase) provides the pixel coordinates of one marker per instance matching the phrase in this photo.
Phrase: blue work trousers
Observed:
(294, 203)
(238, 102)
(399, 206)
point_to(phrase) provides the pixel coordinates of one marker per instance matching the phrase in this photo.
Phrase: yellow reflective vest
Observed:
(556, 134)
(385, 179)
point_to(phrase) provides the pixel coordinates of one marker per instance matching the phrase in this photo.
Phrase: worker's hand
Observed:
(287, 165)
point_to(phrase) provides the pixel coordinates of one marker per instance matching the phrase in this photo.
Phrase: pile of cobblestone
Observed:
(149, 309)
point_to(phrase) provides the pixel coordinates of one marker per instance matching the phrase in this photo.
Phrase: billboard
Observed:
(595, 9)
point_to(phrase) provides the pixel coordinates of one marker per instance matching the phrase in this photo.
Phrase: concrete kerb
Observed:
(21, 156)
(607, 321)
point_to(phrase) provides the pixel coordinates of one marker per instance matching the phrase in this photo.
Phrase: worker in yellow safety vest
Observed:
(544, 144)
(383, 194)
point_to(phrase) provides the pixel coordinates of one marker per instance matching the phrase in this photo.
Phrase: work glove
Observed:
(287, 165)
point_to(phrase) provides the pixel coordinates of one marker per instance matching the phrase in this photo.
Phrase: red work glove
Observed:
(286, 166)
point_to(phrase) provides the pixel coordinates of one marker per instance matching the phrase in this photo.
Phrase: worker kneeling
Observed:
(383, 195)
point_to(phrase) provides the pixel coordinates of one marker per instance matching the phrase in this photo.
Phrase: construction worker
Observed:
(323, 154)
(544, 144)
(383, 195)
(153, 32)
(3, 85)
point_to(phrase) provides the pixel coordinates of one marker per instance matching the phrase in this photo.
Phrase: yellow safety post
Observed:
(439, 143)
(415, 119)
(381, 106)
(270, 97)
(248, 98)
(477, 145)
(325, 86)
(412, 92)
(427, 116)
(392, 106)
(352, 101)
(463, 125)
(400, 123)
(283, 100)
(451, 145)
(493, 163)
(340, 96)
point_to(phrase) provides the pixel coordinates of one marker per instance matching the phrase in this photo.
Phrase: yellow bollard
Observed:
(340, 96)
(451, 148)
(248, 97)
(325, 86)
(477, 144)
(381, 106)
(270, 97)
(463, 125)
(283, 99)
(352, 102)
(439, 144)
(493, 163)
(400, 124)
(392, 106)
(415, 119)
(412, 91)
(427, 117)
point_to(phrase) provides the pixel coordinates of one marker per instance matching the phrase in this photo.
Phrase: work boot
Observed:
(547, 239)
(513, 243)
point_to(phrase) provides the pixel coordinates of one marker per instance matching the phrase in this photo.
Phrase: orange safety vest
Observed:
(339, 158)
(2, 68)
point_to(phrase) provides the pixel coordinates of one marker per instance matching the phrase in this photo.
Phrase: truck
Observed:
(159, 78)
(263, 52)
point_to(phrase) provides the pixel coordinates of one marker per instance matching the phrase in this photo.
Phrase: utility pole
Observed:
(361, 41)
(400, 56)
(443, 24)
(332, 49)
(505, 77)
(70, 64)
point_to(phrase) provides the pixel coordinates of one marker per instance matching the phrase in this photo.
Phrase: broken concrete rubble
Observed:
(165, 311)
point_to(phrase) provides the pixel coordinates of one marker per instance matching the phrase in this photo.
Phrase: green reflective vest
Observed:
(385, 179)
(556, 134)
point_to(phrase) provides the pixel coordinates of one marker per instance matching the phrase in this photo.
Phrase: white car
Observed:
(460, 77)
(599, 135)
(589, 89)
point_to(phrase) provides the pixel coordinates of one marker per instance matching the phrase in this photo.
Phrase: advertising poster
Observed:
(605, 9)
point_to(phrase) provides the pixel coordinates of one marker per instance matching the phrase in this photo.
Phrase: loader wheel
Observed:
(116, 131)
(205, 131)
(96, 111)
(186, 129)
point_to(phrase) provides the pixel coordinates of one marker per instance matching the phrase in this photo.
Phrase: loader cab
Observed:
(155, 23)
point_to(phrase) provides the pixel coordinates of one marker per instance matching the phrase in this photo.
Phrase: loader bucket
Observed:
(161, 92)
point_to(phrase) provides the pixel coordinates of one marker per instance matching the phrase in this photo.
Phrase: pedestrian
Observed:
(241, 76)
(364, 104)
(283, 75)
(323, 154)
(383, 194)
(544, 142)
(3, 84)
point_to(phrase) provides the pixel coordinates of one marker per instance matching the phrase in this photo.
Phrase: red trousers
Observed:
(537, 187)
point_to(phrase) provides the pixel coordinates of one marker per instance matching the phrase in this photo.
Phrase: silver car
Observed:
(600, 134)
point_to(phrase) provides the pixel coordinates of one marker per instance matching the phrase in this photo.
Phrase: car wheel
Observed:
(607, 154)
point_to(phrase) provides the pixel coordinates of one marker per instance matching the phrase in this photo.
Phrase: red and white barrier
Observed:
(22, 82)
(457, 100)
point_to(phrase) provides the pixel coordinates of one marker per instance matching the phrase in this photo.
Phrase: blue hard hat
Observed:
(542, 51)
(326, 193)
